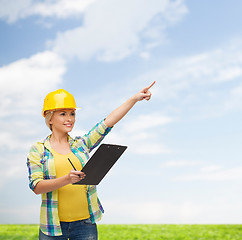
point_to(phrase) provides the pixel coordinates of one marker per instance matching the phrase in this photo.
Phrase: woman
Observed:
(67, 210)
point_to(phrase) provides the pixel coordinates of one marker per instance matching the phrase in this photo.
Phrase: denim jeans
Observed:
(78, 230)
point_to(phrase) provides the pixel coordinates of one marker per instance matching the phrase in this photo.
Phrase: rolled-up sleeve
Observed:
(96, 135)
(35, 167)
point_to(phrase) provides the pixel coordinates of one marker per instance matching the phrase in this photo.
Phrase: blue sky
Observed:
(183, 163)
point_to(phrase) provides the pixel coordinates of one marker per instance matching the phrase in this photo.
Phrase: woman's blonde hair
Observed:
(48, 116)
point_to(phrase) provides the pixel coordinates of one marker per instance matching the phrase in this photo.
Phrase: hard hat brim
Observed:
(52, 110)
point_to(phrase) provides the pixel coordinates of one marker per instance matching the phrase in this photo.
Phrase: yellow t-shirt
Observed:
(72, 199)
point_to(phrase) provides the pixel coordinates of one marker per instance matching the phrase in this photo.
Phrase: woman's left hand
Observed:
(144, 93)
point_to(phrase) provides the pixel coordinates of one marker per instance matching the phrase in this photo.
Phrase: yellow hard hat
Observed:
(57, 100)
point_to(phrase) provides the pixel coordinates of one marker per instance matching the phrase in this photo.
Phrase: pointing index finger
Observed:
(150, 85)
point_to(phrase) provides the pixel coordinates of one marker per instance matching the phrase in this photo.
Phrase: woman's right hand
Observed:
(76, 176)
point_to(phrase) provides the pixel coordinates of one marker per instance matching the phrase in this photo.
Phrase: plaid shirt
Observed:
(41, 166)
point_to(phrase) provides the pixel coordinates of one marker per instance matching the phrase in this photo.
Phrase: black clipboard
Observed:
(100, 163)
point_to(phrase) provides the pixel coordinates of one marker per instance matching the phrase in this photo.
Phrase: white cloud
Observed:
(158, 212)
(181, 163)
(142, 133)
(12, 10)
(9, 138)
(213, 174)
(24, 82)
(212, 168)
(193, 73)
(234, 101)
(61, 8)
(26, 214)
(144, 122)
(113, 30)
(13, 165)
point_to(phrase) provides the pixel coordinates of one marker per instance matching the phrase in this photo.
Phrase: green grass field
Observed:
(135, 232)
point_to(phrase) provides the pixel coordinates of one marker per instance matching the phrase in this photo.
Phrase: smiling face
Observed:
(63, 120)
